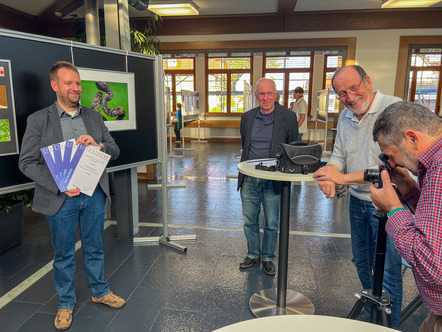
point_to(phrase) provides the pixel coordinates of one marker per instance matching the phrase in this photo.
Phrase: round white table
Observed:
(271, 302)
(304, 323)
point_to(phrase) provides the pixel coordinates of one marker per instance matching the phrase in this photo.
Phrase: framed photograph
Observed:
(111, 93)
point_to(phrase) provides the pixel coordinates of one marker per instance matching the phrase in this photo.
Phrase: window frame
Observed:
(411, 90)
(228, 73)
(287, 71)
(174, 73)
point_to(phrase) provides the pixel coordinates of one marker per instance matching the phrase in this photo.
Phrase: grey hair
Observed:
(262, 79)
(359, 69)
(402, 116)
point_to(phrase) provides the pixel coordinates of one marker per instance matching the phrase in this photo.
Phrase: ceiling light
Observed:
(173, 8)
(407, 3)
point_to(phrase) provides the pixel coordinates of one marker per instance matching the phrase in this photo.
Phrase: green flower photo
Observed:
(5, 132)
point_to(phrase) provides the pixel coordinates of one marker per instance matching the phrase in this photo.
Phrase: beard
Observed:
(409, 161)
(69, 99)
(361, 105)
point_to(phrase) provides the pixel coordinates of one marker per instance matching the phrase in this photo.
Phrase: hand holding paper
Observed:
(75, 167)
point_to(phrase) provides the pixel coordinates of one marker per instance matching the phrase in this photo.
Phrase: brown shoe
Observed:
(111, 300)
(63, 320)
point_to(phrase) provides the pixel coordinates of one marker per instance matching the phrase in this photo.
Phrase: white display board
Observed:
(249, 98)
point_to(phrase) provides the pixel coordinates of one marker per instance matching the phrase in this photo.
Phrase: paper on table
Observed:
(88, 170)
(264, 162)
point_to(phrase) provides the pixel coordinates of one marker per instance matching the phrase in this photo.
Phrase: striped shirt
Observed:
(418, 237)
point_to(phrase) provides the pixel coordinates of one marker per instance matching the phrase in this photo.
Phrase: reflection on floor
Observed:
(203, 289)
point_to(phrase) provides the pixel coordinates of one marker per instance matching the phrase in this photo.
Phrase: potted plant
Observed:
(11, 217)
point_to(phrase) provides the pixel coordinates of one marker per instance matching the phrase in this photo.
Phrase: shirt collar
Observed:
(61, 110)
(426, 159)
(270, 115)
(373, 107)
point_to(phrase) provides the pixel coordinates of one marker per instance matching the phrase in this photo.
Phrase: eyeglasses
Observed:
(262, 94)
(352, 89)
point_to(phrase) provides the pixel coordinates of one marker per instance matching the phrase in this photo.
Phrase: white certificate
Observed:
(89, 169)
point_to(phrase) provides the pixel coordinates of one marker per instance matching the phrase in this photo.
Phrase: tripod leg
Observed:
(386, 317)
(356, 310)
(410, 308)
(375, 315)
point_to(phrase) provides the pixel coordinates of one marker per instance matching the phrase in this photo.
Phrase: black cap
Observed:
(299, 90)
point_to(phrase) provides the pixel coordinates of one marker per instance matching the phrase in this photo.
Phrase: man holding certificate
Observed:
(65, 120)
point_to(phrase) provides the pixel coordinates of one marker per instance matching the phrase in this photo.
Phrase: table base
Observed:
(263, 304)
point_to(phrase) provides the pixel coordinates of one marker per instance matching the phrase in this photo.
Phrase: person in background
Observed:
(67, 119)
(178, 122)
(277, 98)
(353, 152)
(262, 129)
(301, 110)
(410, 135)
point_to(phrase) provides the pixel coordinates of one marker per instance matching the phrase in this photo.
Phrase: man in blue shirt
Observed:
(262, 130)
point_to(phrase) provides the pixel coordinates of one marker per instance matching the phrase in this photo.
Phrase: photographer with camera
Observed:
(353, 152)
(411, 137)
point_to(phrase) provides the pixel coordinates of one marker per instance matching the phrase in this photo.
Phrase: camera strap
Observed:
(262, 167)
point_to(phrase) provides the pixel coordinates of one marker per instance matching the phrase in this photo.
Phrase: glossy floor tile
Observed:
(203, 289)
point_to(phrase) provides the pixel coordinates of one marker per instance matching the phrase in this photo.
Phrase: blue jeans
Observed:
(254, 193)
(364, 227)
(90, 213)
(300, 136)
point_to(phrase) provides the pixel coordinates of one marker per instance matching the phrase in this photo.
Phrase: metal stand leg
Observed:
(164, 239)
(280, 301)
(171, 155)
(183, 140)
(199, 140)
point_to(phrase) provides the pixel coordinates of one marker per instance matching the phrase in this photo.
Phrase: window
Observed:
(179, 75)
(289, 70)
(226, 74)
(424, 82)
(331, 63)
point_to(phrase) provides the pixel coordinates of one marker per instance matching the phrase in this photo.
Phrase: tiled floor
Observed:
(203, 289)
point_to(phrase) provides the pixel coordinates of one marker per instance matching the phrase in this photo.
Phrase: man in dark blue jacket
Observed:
(262, 130)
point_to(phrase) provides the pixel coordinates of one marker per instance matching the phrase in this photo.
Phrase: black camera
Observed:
(374, 175)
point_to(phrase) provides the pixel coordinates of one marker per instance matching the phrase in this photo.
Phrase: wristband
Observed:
(389, 214)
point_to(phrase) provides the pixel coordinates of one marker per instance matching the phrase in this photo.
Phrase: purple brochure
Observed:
(59, 166)
(67, 155)
(79, 149)
(51, 164)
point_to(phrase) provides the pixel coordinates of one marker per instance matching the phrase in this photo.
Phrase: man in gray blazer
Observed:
(67, 119)
(262, 130)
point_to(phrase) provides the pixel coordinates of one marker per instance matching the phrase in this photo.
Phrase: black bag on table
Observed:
(299, 157)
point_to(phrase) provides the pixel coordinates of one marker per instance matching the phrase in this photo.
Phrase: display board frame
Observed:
(31, 57)
(190, 105)
(8, 123)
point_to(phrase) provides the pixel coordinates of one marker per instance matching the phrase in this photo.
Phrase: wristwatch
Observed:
(101, 145)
